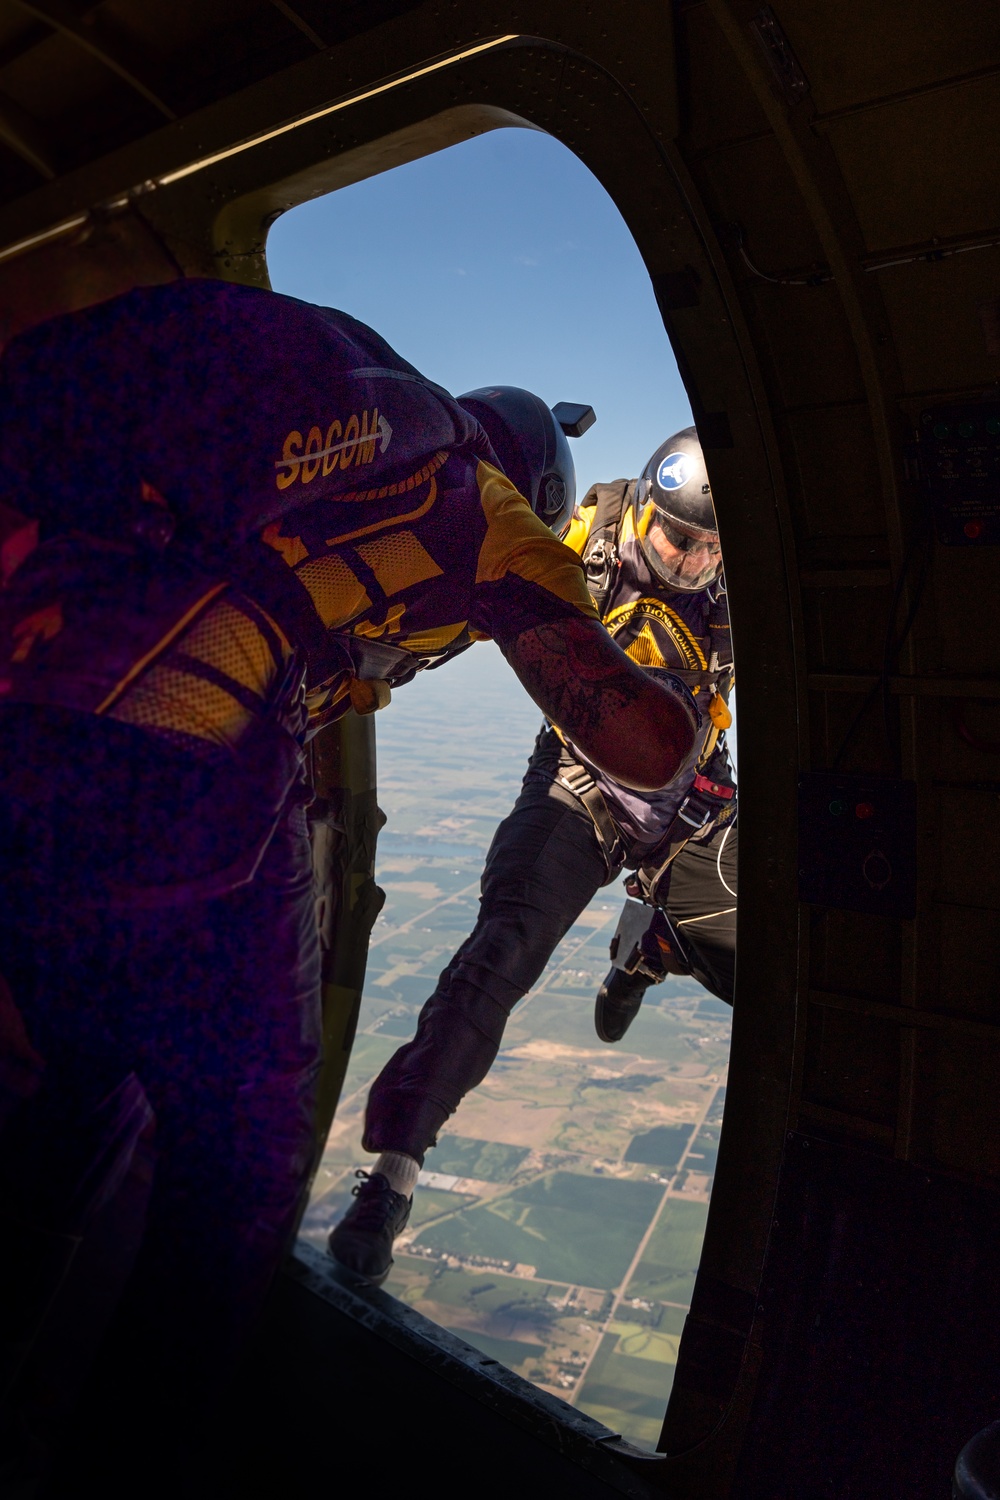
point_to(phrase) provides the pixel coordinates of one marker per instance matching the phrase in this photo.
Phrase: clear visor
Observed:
(682, 556)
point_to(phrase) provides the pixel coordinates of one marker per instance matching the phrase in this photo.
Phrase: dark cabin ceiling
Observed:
(78, 81)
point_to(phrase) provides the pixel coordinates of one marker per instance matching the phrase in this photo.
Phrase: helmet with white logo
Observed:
(529, 440)
(674, 516)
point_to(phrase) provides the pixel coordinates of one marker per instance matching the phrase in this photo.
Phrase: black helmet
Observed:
(674, 516)
(530, 442)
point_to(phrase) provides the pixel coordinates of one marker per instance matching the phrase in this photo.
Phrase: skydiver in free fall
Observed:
(650, 549)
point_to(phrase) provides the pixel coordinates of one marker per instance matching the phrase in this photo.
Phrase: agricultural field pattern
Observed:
(558, 1223)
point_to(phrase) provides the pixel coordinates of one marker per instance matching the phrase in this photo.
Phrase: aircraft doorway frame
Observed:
(224, 208)
(212, 184)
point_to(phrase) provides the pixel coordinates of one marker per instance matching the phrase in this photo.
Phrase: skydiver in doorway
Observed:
(228, 517)
(650, 550)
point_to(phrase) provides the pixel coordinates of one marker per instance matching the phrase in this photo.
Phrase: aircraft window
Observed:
(558, 1223)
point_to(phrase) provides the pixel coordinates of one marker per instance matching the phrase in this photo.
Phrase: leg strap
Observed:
(578, 781)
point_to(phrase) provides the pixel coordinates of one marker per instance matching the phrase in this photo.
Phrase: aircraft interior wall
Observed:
(814, 192)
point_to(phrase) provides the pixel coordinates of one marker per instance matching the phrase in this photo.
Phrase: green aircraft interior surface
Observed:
(815, 192)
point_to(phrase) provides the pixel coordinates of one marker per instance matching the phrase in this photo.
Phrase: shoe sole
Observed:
(361, 1276)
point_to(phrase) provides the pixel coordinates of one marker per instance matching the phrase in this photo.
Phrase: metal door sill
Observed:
(578, 1437)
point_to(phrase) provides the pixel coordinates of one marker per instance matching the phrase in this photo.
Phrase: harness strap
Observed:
(578, 781)
(600, 554)
(692, 821)
(653, 877)
(712, 677)
(267, 578)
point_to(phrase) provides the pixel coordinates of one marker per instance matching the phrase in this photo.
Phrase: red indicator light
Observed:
(864, 810)
(973, 528)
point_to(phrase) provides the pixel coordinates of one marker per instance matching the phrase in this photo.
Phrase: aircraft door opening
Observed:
(558, 1223)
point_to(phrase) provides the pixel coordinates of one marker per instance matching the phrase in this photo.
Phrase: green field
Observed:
(715, 1109)
(620, 1388)
(630, 1202)
(655, 1036)
(678, 988)
(486, 1292)
(629, 1083)
(642, 1432)
(554, 1014)
(412, 989)
(658, 1035)
(705, 1149)
(323, 1213)
(667, 1269)
(487, 1161)
(702, 1158)
(434, 1203)
(368, 1056)
(638, 1342)
(582, 1230)
(672, 1320)
(662, 1146)
(398, 1026)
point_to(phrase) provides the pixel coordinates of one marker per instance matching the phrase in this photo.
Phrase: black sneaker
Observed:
(618, 1002)
(362, 1241)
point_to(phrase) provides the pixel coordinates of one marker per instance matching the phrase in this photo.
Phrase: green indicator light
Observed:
(838, 808)
(966, 429)
(993, 426)
(942, 430)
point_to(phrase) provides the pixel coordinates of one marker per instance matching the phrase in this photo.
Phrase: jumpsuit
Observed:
(240, 498)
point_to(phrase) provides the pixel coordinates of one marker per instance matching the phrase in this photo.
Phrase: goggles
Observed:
(684, 541)
(686, 559)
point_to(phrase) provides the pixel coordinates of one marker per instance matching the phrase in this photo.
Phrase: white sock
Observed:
(399, 1170)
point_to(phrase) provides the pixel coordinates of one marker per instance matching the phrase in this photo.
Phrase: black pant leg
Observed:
(208, 1010)
(230, 1069)
(702, 905)
(543, 868)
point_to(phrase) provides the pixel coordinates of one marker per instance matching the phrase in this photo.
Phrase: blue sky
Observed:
(500, 261)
